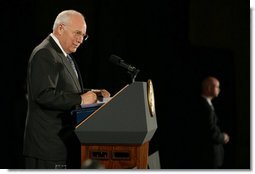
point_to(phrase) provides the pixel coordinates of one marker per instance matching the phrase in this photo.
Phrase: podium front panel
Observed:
(125, 119)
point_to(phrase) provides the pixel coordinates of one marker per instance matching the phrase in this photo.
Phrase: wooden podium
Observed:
(118, 133)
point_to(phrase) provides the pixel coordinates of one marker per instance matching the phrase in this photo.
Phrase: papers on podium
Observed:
(88, 109)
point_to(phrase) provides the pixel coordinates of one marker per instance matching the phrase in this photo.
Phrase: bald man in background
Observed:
(207, 138)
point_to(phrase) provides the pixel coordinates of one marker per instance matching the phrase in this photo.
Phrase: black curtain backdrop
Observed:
(173, 43)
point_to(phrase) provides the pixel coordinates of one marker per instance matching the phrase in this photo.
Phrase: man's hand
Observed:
(226, 138)
(89, 98)
(105, 93)
(101, 93)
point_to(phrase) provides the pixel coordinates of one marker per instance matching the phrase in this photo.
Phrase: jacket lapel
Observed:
(66, 63)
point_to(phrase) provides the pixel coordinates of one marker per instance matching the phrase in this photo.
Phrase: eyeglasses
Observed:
(78, 33)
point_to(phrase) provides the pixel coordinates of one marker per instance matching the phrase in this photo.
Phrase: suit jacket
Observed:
(207, 139)
(53, 89)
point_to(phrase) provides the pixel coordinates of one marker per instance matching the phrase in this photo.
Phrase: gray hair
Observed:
(64, 17)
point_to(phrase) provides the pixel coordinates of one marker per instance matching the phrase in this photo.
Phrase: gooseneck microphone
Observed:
(120, 62)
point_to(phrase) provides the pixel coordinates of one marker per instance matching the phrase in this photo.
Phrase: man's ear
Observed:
(60, 29)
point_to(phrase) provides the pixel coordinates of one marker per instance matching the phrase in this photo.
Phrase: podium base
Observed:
(117, 156)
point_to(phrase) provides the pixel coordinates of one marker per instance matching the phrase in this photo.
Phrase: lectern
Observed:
(118, 132)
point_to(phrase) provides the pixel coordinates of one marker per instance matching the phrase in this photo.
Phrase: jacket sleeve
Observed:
(215, 132)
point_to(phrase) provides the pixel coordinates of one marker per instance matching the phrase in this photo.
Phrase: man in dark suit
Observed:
(207, 139)
(54, 87)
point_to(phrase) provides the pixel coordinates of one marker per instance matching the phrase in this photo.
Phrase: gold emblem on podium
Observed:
(151, 99)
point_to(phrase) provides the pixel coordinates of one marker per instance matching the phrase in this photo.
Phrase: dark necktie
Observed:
(72, 64)
(212, 107)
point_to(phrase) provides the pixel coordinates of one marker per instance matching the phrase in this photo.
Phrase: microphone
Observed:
(120, 62)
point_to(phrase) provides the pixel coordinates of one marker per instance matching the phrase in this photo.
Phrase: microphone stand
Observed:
(133, 74)
(130, 69)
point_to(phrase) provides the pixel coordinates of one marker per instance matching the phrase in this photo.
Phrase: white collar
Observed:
(208, 100)
(58, 43)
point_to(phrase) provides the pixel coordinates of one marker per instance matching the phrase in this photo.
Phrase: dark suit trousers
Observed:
(34, 163)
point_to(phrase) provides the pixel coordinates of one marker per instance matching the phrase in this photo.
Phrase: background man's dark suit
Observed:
(54, 90)
(205, 137)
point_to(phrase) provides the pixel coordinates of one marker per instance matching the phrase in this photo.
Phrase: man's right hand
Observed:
(226, 138)
(88, 98)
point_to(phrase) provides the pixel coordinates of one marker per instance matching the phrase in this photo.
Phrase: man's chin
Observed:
(74, 50)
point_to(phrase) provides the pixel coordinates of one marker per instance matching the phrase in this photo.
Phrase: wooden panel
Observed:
(117, 156)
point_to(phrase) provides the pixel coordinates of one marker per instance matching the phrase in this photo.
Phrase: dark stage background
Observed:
(174, 43)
